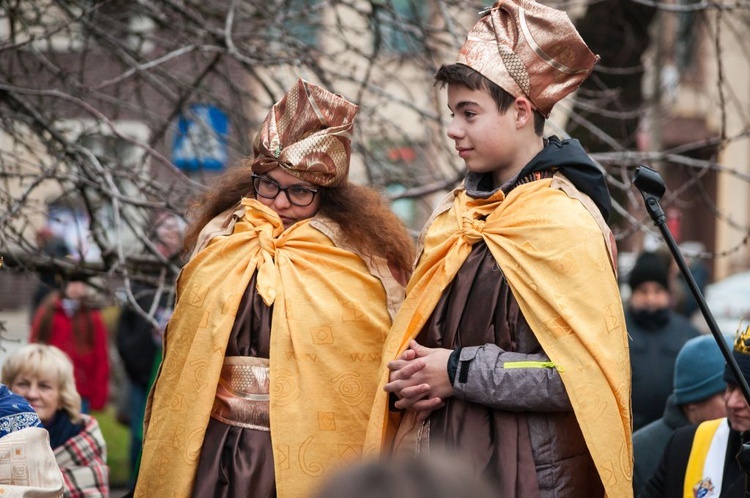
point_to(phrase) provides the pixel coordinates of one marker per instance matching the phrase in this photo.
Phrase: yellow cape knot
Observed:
(742, 341)
(472, 229)
(268, 275)
(267, 243)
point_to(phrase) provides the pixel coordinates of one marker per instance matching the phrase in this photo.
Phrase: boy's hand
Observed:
(419, 378)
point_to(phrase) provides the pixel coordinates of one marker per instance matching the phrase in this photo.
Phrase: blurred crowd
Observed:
(89, 357)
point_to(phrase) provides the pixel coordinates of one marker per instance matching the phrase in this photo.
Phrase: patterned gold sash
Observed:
(242, 394)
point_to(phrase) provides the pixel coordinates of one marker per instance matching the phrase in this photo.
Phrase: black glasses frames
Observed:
(296, 194)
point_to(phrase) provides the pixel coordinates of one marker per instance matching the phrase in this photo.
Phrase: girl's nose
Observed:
(281, 201)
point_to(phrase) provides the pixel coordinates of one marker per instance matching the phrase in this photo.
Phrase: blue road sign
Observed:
(200, 142)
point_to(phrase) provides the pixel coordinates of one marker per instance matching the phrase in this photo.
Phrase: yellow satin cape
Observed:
(330, 320)
(554, 254)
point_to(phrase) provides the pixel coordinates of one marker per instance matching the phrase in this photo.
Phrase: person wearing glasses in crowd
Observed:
(271, 356)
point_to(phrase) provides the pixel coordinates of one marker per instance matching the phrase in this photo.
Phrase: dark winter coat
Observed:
(139, 339)
(649, 442)
(669, 478)
(653, 350)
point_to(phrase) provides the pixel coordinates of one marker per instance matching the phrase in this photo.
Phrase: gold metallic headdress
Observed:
(741, 354)
(742, 341)
(308, 133)
(528, 49)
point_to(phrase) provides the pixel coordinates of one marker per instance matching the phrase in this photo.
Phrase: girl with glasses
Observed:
(272, 357)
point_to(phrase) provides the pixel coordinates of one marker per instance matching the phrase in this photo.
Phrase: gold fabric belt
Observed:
(242, 394)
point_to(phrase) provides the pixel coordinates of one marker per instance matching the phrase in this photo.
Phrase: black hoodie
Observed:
(568, 157)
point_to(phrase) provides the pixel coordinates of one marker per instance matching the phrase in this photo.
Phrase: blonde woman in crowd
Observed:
(29, 468)
(43, 375)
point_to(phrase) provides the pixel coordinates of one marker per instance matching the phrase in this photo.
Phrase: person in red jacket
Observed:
(65, 320)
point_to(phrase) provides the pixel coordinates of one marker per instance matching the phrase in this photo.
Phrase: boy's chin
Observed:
(477, 168)
(481, 170)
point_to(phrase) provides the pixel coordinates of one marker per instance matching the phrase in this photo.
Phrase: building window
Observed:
(397, 25)
(296, 22)
(304, 19)
(51, 26)
(397, 166)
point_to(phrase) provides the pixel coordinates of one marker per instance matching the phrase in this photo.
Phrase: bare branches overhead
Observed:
(93, 95)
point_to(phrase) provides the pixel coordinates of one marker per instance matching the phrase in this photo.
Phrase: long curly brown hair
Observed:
(365, 219)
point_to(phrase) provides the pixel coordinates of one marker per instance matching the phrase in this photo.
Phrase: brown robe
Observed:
(233, 459)
(531, 451)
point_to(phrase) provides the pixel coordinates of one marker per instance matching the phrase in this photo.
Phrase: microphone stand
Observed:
(652, 188)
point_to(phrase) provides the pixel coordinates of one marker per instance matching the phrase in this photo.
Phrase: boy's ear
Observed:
(524, 112)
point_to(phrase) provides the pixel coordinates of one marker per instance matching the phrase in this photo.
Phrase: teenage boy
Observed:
(510, 349)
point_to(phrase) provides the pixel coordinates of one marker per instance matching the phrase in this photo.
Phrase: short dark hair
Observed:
(461, 74)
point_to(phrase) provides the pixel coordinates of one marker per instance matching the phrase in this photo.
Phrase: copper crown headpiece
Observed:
(528, 49)
(308, 133)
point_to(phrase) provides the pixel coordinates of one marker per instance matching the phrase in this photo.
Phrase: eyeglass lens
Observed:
(296, 194)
